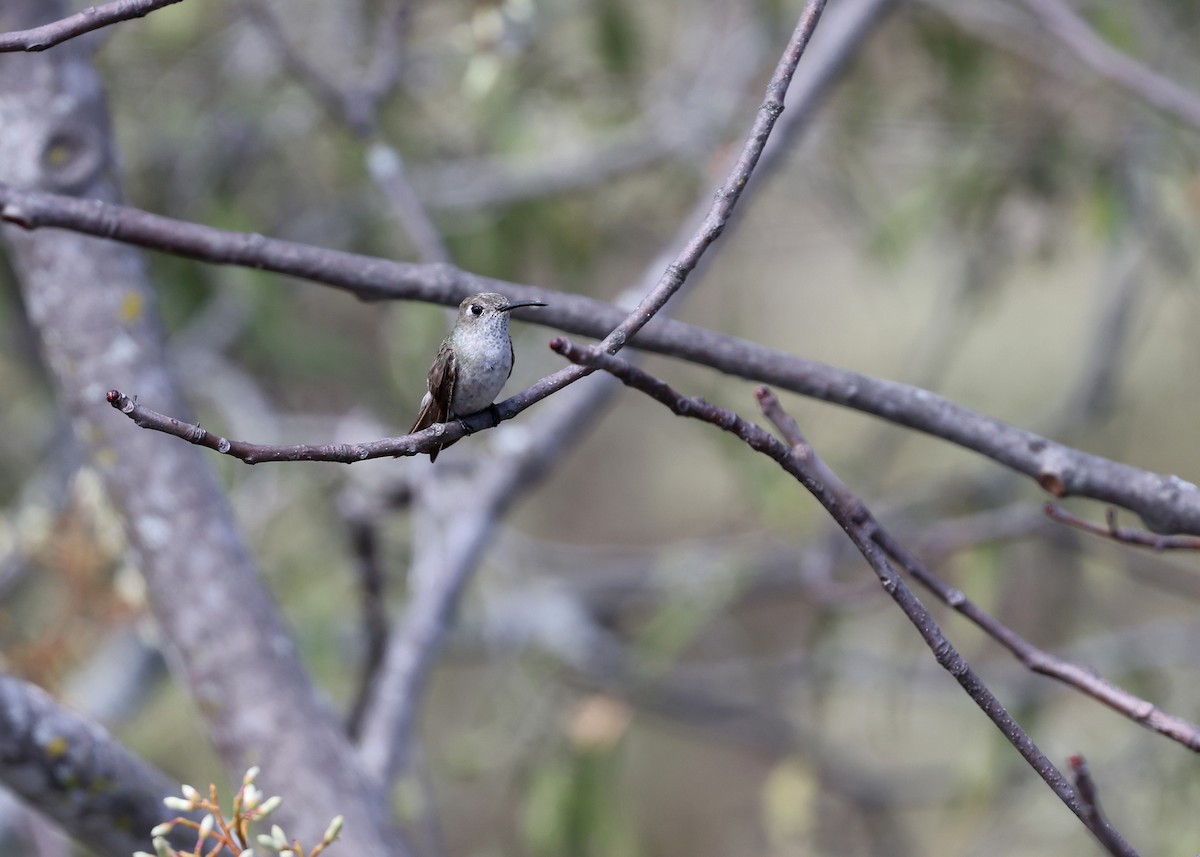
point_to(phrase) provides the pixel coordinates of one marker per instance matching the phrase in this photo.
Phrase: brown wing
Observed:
(436, 404)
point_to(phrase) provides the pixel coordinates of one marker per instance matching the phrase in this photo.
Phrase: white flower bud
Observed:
(334, 829)
(270, 805)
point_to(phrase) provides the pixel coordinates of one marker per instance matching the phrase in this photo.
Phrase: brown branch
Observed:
(1167, 504)
(346, 453)
(1086, 787)
(259, 453)
(1125, 535)
(91, 18)
(1072, 674)
(802, 462)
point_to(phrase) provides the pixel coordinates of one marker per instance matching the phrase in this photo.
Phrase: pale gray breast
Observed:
(483, 361)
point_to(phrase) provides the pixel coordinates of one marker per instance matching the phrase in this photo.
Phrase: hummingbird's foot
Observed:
(465, 426)
(494, 413)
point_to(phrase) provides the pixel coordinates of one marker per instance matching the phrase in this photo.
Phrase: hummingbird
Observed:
(473, 363)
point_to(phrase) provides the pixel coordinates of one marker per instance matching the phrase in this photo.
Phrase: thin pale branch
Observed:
(91, 18)
(1124, 535)
(802, 462)
(731, 191)
(1117, 68)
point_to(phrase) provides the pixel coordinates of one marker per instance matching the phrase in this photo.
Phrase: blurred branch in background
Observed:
(74, 772)
(852, 515)
(1117, 68)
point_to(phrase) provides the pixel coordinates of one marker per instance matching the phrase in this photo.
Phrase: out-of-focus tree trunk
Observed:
(93, 310)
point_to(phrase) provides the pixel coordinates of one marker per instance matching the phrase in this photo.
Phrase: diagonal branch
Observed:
(1086, 787)
(74, 772)
(91, 18)
(1125, 535)
(802, 462)
(730, 192)
(1125, 72)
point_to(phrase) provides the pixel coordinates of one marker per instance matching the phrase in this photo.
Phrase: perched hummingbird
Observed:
(473, 363)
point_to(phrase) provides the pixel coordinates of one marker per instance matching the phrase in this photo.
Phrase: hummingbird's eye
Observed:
(476, 309)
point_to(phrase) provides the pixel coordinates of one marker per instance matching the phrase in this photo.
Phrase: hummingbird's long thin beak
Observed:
(516, 304)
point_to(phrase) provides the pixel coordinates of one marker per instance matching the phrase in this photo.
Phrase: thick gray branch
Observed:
(92, 308)
(73, 771)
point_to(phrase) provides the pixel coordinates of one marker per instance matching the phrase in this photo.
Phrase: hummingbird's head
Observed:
(488, 307)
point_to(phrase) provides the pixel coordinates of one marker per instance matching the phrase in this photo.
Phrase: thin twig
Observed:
(91, 18)
(259, 453)
(357, 108)
(731, 191)
(802, 462)
(1086, 787)
(362, 525)
(1072, 674)
(1125, 535)
(1166, 503)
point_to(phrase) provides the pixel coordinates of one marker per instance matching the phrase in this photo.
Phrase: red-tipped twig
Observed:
(1125, 535)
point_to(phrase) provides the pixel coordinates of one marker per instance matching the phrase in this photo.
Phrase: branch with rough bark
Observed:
(258, 703)
(74, 772)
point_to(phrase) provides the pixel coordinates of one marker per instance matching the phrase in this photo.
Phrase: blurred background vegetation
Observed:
(972, 211)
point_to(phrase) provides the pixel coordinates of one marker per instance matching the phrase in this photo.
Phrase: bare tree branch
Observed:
(802, 462)
(1091, 801)
(1166, 503)
(1125, 535)
(1072, 674)
(1125, 72)
(73, 771)
(731, 191)
(82, 296)
(91, 18)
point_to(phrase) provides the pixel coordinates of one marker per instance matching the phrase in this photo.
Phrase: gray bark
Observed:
(91, 305)
(75, 773)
